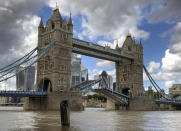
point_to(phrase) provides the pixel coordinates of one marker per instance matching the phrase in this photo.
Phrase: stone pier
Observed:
(110, 104)
(53, 100)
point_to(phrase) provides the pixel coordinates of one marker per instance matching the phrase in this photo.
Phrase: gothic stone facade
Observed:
(54, 69)
(129, 73)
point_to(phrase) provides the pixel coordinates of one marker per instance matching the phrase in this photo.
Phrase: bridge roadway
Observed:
(87, 85)
(94, 50)
(22, 94)
(84, 86)
(118, 97)
(169, 102)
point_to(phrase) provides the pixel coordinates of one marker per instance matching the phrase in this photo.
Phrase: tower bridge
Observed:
(54, 68)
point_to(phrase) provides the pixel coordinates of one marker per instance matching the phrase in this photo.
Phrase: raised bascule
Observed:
(53, 81)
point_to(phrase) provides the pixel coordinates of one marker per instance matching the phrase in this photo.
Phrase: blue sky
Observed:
(156, 22)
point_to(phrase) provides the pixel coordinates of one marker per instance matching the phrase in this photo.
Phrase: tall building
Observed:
(20, 79)
(25, 80)
(79, 72)
(110, 79)
(109, 82)
(175, 90)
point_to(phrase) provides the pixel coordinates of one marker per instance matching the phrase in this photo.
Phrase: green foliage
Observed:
(98, 97)
(154, 94)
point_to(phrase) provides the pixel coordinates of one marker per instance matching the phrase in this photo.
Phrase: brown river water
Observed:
(91, 119)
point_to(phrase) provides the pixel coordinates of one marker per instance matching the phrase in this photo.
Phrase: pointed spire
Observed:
(56, 7)
(117, 47)
(134, 39)
(56, 14)
(41, 23)
(129, 34)
(141, 42)
(64, 21)
(70, 19)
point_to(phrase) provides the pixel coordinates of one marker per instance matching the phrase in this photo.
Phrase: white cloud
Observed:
(170, 70)
(93, 72)
(171, 62)
(165, 10)
(168, 84)
(30, 30)
(105, 63)
(106, 18)
(153, 66)
(8, 85)
(145, 78)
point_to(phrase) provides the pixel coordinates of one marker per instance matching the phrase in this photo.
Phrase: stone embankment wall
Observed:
(143, 104)
(94, 103)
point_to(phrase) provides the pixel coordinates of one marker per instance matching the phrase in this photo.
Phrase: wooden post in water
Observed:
(65, 113)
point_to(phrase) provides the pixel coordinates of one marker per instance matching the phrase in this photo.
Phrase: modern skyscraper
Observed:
(25, 79)
(79, 72)
(109, 82)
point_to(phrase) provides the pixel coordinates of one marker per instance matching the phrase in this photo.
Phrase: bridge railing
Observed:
(22, 93)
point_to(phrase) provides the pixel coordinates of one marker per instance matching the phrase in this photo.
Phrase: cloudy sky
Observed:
(156, 22)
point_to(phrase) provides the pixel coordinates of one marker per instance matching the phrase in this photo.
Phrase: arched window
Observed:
(53, 25)
(129, 48)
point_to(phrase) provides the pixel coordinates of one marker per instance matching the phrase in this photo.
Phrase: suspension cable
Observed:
(32, 60)
(155, 85)
(10, 66)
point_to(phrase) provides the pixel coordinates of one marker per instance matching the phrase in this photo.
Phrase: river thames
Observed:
(91, 119)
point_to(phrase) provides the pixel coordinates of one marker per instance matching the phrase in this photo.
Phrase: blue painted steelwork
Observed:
(169, 102)
(122, 97)
(165, 98)
(84, 86)
(155, 85)
(22, 94)
(87, 85)
(18, 62)
(29, 61)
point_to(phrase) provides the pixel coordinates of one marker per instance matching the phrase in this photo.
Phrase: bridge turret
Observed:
(56, 16)
(41, 27)
(70, 25)
(55, 66)
(128, 44)
(41, 30)
(117, 47)
(130, 73)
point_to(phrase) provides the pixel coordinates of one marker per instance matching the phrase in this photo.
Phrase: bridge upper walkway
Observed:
(94, 50)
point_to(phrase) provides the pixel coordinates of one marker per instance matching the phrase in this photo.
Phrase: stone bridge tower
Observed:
(129, 74)
(54, 69)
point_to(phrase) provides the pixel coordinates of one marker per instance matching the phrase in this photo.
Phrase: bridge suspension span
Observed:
(165, 99)
(26, 61)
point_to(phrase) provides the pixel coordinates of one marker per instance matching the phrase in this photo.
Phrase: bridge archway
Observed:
(45, 86)
(125, 91)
